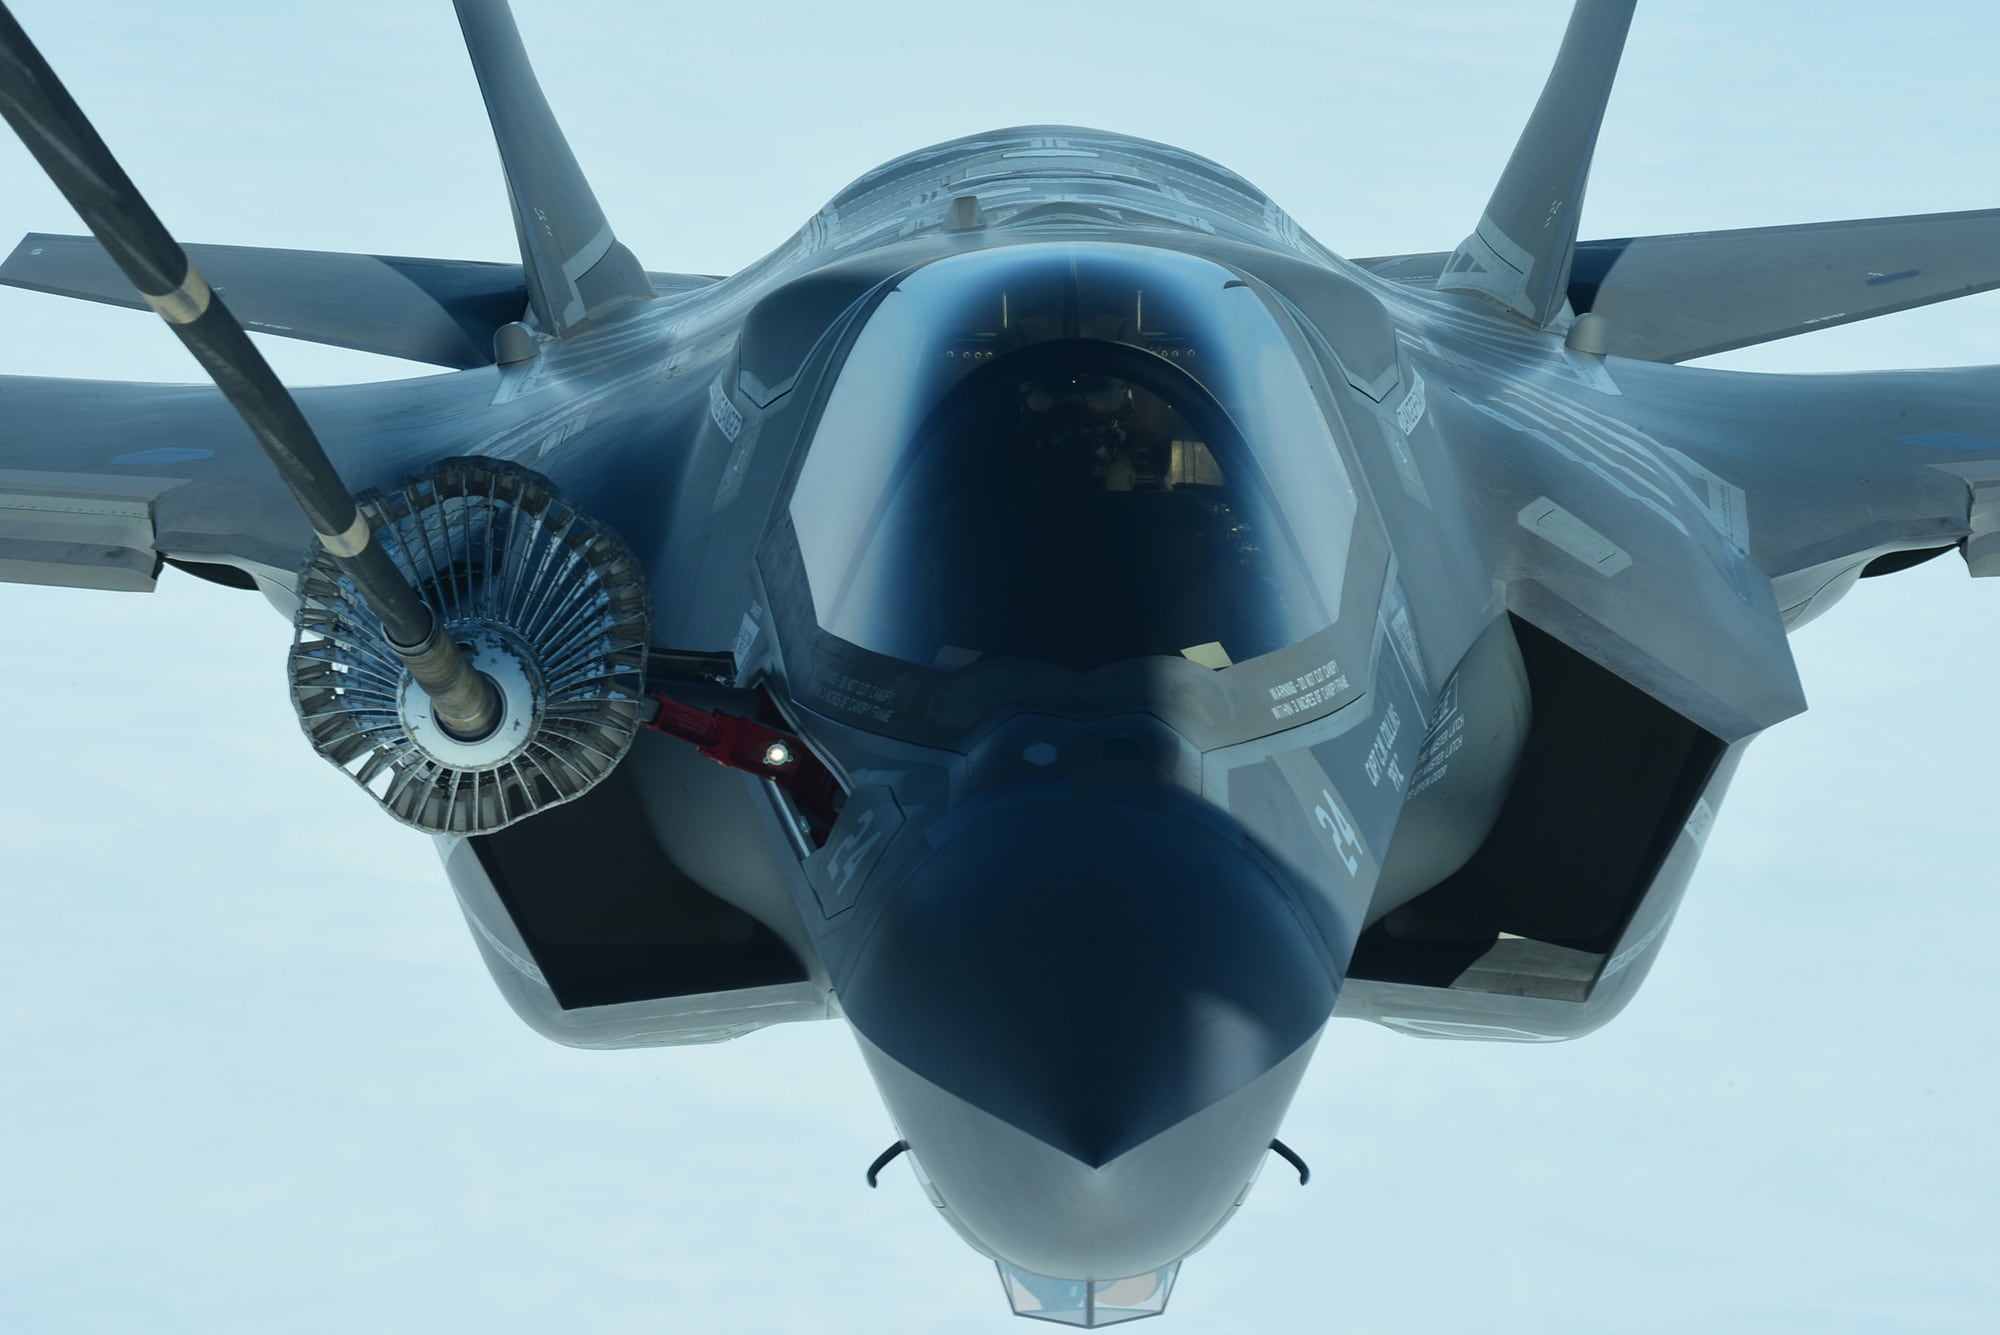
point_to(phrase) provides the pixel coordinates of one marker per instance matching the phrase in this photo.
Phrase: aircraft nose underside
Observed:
(1087, 1018)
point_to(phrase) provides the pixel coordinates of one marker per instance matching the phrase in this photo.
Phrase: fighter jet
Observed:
(1130, 634)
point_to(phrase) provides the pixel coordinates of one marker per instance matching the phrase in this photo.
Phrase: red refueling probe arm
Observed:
(744, 744)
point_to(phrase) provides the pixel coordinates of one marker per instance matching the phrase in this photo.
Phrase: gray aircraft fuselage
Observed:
(1088, 917)
(1209, 635)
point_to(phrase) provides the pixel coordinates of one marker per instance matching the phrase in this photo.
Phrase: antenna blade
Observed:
(1519, 255)
(576, 267)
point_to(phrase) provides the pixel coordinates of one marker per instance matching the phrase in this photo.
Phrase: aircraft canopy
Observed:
(1074, 454)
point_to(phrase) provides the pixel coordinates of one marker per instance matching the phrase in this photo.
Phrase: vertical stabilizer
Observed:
(575, 266)
(1519, 255)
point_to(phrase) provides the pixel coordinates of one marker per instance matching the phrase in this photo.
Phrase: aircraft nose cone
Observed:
(1082, 1016)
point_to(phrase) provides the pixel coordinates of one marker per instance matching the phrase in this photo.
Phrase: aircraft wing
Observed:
(1837, 472)
(1677, 297)
(427, 310)
(102, 481)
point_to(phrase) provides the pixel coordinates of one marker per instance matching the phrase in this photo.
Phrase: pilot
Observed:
(1079, 430)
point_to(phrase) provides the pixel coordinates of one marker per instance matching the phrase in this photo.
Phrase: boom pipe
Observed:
(55, 130)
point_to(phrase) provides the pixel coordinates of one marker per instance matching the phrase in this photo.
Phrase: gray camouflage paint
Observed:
(1666, 523)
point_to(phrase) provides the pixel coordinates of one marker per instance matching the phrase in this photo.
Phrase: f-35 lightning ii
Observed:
(1051, 612)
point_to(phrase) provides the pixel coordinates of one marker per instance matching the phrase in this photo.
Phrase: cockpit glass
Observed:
(1073, 455)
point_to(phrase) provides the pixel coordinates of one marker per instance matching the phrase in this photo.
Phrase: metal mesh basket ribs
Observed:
(549, 605)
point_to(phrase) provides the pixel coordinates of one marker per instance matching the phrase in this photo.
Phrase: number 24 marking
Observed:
(1346, 843)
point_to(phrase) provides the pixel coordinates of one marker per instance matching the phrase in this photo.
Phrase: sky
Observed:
(255, 1078)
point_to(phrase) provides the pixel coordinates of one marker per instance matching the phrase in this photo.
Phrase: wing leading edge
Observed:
(443, 312)
(1673, 298)
(438, 311)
